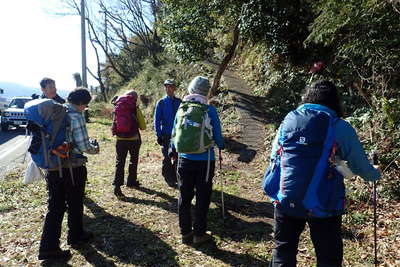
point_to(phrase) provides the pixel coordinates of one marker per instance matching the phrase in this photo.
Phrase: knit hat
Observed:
(199, 85)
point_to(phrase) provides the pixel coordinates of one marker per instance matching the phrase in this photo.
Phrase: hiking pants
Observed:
(325, 235)
(63, 196)
(192, 181)
(168, 168)
(122, 148)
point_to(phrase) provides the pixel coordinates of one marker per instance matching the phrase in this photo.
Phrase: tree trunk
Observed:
(222, 67)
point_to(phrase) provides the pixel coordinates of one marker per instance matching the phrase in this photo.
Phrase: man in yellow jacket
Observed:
(128, 120)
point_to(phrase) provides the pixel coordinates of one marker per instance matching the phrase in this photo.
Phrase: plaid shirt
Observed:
(77, 134)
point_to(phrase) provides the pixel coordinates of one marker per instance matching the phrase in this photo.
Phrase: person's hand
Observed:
(172, 153)
(378, 167)
(174, 156)
(160, 140)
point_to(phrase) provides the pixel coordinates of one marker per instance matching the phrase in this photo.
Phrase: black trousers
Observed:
(325, 235)
(122, 148)
(63, 196)
(192, 181)
(168, 168)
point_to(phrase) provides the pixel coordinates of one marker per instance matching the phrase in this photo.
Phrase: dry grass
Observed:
(143, 229)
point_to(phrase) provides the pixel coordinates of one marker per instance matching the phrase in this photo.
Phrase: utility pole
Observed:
(83, 43)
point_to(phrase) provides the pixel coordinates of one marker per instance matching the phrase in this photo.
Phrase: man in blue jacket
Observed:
(163, 122)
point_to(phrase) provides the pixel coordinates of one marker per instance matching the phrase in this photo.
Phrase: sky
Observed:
(35, 43)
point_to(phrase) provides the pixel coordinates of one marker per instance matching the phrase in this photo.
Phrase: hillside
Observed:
(141, 230)
(260, 55)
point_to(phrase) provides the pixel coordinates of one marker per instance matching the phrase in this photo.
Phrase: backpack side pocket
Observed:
(272, 177)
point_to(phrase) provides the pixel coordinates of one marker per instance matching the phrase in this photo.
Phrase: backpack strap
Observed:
(309, 197)
(57, 119)
(45, 150)
(69, 162)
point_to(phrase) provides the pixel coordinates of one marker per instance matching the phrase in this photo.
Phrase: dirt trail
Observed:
(251, 132)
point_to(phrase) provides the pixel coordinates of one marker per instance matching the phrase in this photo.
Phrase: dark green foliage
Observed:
(365, 37)
(186, 28)
(192, 29)
(283, 24)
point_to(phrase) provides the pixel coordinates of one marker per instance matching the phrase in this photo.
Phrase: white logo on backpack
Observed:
(302, 141)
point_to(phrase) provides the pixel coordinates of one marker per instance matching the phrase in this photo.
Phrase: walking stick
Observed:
(222, 186)
(375, 222)
(374, 161)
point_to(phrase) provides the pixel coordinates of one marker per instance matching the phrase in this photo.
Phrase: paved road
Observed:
(13, 145)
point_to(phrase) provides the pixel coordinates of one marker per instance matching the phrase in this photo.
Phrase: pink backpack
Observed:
(124, 122)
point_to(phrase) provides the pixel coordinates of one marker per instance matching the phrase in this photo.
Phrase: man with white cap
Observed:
(163, 122)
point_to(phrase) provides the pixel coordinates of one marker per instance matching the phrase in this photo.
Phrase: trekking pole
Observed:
(222, 186)
(375, 222)
(374, 161)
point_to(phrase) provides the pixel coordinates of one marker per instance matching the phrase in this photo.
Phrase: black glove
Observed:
(160, 140)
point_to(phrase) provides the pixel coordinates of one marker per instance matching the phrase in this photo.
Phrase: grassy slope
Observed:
(143, 230)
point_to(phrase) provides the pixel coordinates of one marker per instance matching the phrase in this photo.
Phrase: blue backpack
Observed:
(301, 179)
(47, 121)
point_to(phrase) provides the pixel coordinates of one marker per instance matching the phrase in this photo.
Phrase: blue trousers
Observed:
(325, 235)
(192, 182)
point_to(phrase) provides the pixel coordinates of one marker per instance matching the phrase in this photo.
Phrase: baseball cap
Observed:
(169, 82)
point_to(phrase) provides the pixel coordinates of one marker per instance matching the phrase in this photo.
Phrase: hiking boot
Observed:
(54, 254)
(84, 238)
(135, 184)
(188, 238)
(197, 240)
(117, 192)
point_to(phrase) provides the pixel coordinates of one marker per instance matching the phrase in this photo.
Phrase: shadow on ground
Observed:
(123, 240)
(130, 243)
(245, 153)
(55, 263)
(169, 205)
(251, 104)
(244, 219)
(10, 134)
(231, 258)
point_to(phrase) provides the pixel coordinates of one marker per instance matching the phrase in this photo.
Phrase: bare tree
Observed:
(127, 26)
(225, 61)
(133, 18)
(95, 41)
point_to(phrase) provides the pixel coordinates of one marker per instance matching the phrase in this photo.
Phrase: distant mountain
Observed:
(14, 89)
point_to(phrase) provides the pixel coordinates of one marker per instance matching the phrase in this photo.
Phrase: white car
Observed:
(3, 103)
(13, 115)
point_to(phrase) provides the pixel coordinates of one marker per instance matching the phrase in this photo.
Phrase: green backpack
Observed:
(193, 130)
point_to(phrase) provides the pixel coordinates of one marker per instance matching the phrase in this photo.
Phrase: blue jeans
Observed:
(192, 181)
(325, 234)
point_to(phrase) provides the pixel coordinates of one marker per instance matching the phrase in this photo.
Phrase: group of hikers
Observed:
(302, 179)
